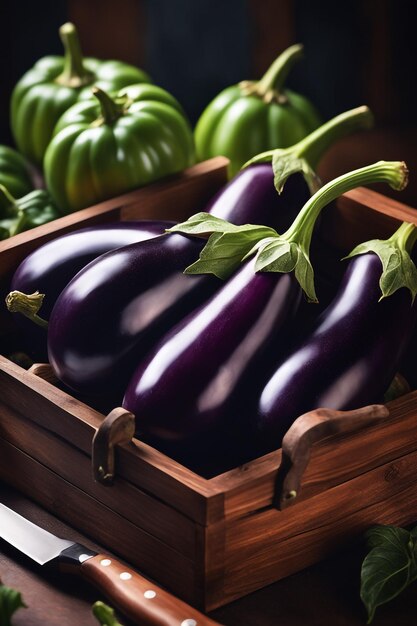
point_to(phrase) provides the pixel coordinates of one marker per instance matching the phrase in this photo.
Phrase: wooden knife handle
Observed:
(138, 598)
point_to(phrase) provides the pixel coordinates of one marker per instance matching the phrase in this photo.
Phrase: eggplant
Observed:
(121, 303)
(49, 268)
(188, 381)
(209, 365)
(354, 349)
(90, 344)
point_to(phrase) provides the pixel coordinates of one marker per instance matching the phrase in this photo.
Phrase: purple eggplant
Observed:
(51, 267)
(208, 366)
(119, 305)
(188, 381)
(91, 345)
(354, 350)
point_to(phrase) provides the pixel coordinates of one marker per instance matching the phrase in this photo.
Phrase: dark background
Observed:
(356, 52)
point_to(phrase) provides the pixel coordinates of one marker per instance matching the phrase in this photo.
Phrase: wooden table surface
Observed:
(326, 594)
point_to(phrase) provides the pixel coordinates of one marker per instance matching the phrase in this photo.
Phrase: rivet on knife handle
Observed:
(138, 598)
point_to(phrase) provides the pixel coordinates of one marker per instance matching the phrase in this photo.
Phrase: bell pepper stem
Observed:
(110, 109)
(270, 86)
(74, 73)
(8, 206)
(27, 304)
(276, 75)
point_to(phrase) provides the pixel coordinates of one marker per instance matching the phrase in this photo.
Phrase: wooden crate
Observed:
(211, 541)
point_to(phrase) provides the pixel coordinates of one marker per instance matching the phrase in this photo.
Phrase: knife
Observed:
(138, 598)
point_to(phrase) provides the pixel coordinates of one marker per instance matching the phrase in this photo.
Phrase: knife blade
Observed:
(135, 596)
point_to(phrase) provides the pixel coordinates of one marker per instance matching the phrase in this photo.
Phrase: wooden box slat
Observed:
(335, 460)
(212, 541)
(100, 522)
(77, 423)
(155, 517)
(267, 554)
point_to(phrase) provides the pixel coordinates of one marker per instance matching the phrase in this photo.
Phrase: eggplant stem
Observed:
(405, 236)
(312, 147)
(28, 305)
(394, 173)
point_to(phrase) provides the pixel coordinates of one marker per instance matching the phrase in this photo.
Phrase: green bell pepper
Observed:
(253, 117)
(18, 215)
(15, 172)
(106, 146)
(54, 84)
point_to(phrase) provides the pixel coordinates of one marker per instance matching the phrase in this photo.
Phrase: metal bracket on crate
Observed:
(117, 427)
(307, 430)
(44, 371)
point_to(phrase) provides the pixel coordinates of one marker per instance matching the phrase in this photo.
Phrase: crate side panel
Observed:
(143, 510)
(152, 557)
(143, 466)
(334, 461)
(267, 546)
(190, 193)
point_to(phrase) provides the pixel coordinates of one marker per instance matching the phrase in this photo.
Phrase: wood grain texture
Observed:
(113, 531)
(77, 423)
(337, 459)
(309, 429)
(74, 467)
(274, 544)
(44, 371)
(138, 598)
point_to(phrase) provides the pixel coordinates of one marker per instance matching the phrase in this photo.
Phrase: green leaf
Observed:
(389, 567)
(277, 256)
(382, 535)
(200, 224)
(206, 224)
(398, 269)
(104, 614)
(224, 252)
(280, 255)
(286, 165)
(10, 602)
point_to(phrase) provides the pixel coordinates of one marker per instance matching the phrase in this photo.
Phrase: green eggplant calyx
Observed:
(8, 205)
(398, 268)
(74, 74)
(304, 156)
(270, 87)
(313, 146)
(229, 245)
(394, 173)
(27, 304)
(111, 110)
